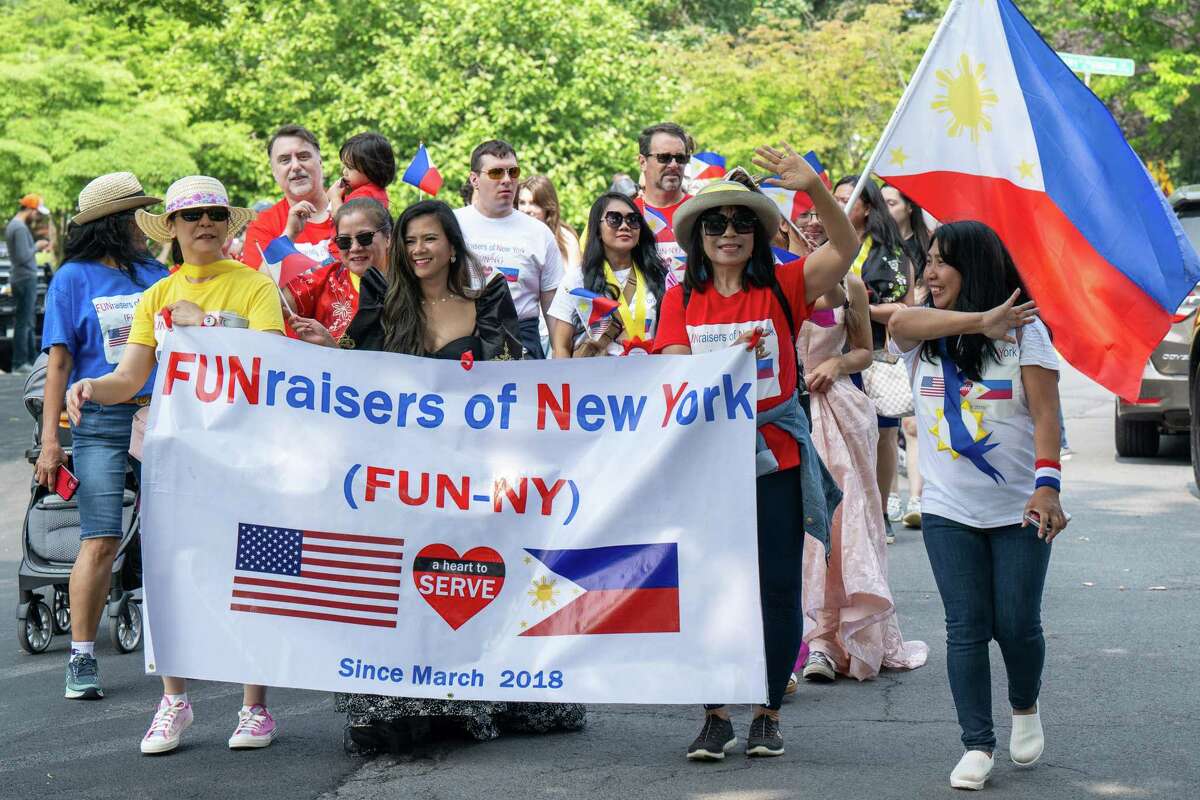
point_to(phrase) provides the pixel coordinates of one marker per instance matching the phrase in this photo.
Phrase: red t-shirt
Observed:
(370, 190)
(669, 250)
(315, 241)
(714, 322)
(326, 295)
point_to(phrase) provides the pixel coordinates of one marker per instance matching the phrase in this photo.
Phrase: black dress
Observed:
(382, 722)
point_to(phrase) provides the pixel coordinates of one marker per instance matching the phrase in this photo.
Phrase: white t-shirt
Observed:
(958, 487)
(566, 306)
(521, 249)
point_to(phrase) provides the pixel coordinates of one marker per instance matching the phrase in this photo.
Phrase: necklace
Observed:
(439, 300)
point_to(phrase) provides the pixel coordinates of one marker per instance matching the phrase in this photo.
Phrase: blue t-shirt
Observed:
(89, 310)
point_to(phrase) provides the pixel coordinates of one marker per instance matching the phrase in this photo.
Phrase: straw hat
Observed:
(724, 193)
(108, 194)
(194, 191)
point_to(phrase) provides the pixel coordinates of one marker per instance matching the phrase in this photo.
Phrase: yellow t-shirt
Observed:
(235, 297)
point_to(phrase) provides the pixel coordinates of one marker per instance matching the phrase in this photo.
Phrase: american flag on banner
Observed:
(932, 387)
(334, 577)
(119, 336)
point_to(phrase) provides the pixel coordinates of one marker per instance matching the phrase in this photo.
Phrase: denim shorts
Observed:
(100, 451)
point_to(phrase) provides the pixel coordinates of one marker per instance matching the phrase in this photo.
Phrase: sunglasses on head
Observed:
(715, 224)
(215, 214)
(614, 219)
(364, 239)
(667, 158)
(497, 173)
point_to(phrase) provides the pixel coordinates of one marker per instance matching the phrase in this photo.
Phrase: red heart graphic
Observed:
(458, 587)
(467, 360)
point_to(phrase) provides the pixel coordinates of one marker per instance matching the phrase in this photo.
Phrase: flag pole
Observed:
(905, 99)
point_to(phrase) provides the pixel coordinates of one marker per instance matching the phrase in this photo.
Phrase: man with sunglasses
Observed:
(511, 246)
(663, 153)
(296, 164)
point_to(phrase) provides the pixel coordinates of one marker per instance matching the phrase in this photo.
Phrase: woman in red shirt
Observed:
(734, 294)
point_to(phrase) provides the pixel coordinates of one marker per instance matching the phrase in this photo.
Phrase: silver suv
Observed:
(1162, 404)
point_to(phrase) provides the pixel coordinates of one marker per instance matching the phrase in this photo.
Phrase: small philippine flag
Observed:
(657, 221)
(706, 166)
(511, 274)
(422, 174)
(766, 368)
(594, 309)
(283, 262)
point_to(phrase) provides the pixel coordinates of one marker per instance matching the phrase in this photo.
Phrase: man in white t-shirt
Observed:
(518, 247)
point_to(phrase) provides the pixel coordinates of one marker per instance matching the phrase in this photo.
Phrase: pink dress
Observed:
(848, 605)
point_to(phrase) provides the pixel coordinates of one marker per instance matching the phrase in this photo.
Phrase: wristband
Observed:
(1048, 473)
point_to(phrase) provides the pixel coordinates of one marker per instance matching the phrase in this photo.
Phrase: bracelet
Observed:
(1048, 473)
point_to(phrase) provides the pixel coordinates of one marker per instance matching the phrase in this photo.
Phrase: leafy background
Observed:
(166, 88)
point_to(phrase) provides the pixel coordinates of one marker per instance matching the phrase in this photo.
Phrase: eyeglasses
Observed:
(715, 224)
(808, 216)
(497, 173)
(614, 219)
(215, 214)
(667, 158)
(364, 239)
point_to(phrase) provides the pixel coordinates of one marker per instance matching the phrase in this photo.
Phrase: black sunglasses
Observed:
(715, 224)
(667, 158)
(497, 173)
(614, 219)
(364, 239)
(216, 214)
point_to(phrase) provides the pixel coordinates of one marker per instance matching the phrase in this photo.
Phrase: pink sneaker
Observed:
(255, 728)
(170, 721)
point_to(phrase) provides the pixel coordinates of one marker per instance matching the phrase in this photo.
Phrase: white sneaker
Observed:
(819, 667)
(170, 721)
(912, 514)
(1027, 741)
(972, 770)
(894, 507)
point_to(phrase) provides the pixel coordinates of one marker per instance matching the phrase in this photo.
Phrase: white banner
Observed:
(576, 531)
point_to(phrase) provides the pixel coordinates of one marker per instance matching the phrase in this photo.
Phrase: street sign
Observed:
(1098, 65)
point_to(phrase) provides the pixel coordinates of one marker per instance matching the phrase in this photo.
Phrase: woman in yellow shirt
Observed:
(208, 289)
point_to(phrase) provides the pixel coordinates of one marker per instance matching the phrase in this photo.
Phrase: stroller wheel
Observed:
(62, 611)
(35, 631)
(125, 629)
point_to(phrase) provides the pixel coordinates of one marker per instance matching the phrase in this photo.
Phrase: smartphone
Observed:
(1035, 519)
(65, 483)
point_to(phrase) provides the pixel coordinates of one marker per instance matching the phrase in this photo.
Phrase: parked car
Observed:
(1162, 405)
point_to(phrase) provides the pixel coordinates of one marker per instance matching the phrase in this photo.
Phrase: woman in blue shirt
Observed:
(89, 310)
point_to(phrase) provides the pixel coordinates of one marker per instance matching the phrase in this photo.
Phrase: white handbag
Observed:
(887, 383)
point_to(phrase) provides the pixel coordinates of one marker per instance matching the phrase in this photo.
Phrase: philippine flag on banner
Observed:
(631, 588)
(283, 262)
(595, 310)
(422, 174)
(793, 204)
(995, 127)
(706, 166)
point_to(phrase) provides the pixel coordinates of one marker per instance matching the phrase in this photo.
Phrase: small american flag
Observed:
(119, 336)
(334, 577)
(933, 387)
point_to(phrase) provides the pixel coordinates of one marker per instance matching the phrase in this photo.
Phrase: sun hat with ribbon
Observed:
(194, 191)
(724, 193)
(108, 194)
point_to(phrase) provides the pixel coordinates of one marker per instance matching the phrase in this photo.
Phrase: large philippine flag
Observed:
(632, 588)
(422, 174)
(995, 127)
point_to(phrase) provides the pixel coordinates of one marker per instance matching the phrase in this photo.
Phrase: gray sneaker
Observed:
(765, 738)
(83, 678)
(716, 737)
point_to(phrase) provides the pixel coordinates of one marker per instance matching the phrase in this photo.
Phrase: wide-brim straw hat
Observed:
(194, 191)
(108, 194)
(724, 193)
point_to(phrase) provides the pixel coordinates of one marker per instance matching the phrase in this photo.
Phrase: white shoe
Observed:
(170, 721)
(893, 507)
(912, 514)
(1027, 741)
(818, 667)
(972, 771)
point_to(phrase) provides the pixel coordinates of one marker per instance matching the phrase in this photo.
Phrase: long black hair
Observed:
(989, 277)
(114, 237)
(372, 155)
(403, 314)
(645, 252)
(760, 270)
(918, 251)
(879, 226)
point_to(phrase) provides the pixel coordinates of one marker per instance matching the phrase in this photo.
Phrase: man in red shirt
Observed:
(663, 153)
(296, 164)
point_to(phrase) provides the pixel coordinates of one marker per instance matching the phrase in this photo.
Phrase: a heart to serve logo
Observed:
(458, 587)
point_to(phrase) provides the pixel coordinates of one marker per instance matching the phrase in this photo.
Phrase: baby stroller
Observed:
(50, 545)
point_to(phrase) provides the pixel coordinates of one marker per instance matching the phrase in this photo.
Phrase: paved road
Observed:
(1120, 700)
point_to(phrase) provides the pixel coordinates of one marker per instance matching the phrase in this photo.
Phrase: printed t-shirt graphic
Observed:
(986, 479)
(714, 322)
(520, 249)
(567, 306)
(661, 222)
(315, 240)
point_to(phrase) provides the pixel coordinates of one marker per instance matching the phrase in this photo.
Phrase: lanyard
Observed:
(634, 321)
(861, 258)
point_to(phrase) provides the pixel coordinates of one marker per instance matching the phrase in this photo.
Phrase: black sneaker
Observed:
(716, 737)
(765, 738)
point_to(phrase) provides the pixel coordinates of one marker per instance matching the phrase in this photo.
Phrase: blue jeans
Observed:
(991, 581)
(25, 320)
(100, 449)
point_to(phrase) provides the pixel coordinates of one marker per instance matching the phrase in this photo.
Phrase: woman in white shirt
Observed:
(985, 382)
(621, 265)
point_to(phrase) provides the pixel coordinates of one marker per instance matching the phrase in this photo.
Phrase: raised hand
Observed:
(795, 174)
(298, 217)
(998, 321)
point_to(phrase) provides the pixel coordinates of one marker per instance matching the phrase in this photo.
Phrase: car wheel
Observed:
(1135, 438)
